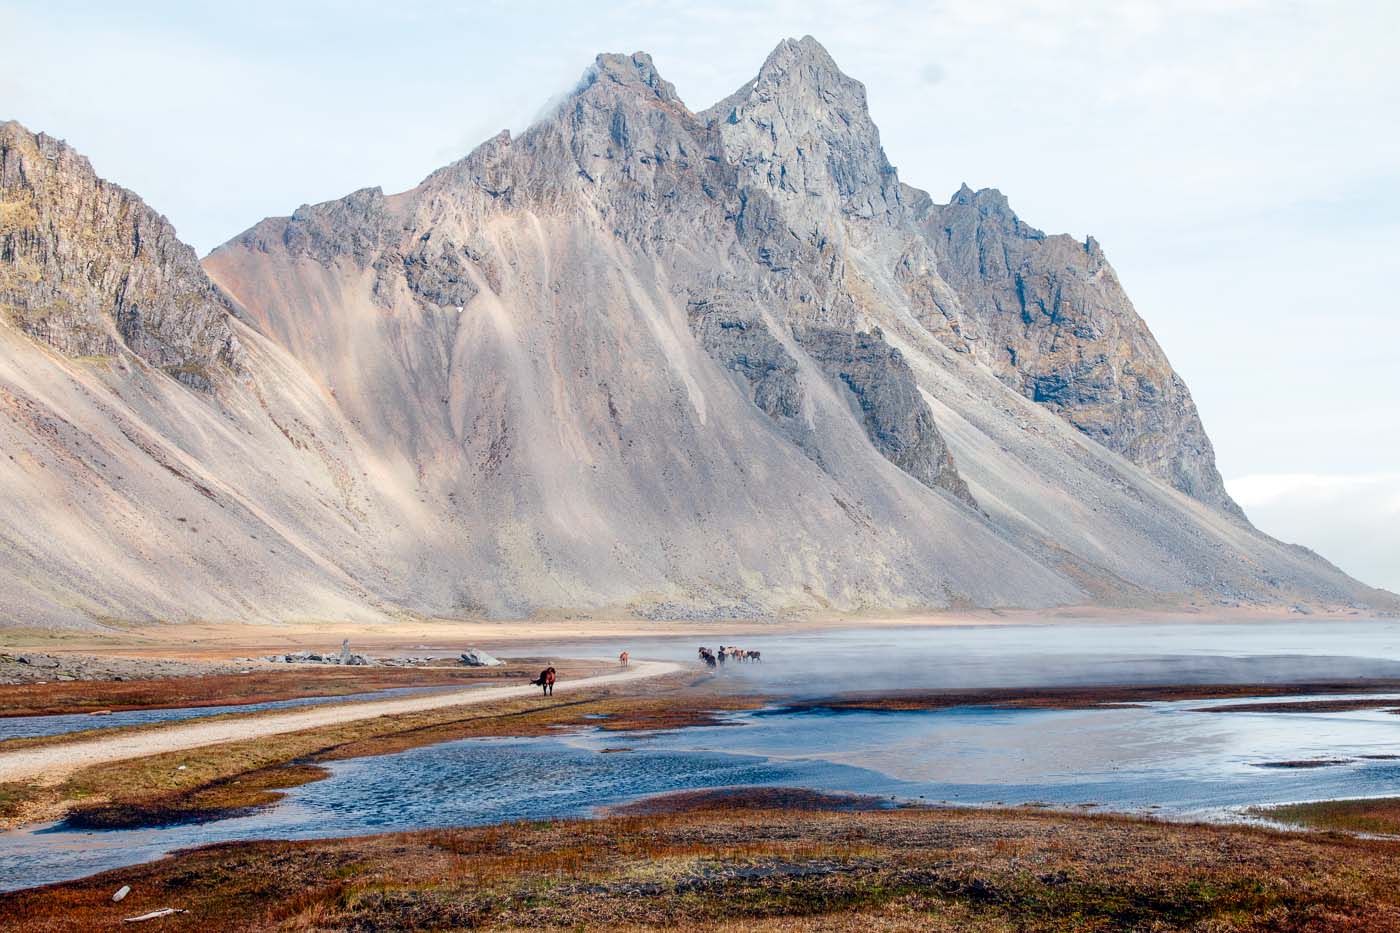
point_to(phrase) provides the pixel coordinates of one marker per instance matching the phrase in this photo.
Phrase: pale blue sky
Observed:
(1238, 159)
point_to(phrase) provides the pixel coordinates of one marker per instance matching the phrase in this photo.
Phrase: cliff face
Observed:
(1049, 316)
(1046, 313)
(637, 360)
(89, 269)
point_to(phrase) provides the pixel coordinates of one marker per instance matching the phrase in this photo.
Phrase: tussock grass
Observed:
(1378, 815)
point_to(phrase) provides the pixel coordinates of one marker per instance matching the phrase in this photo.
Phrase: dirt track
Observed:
(51, 765)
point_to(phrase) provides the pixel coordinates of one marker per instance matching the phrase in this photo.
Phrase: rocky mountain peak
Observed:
(803, 59)
(988, 206)
(634, 72)
(986, 200)
(801, 132)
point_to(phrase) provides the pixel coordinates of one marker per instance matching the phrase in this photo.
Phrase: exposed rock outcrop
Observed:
(1049, 315)
(895, 415)
(89, 269)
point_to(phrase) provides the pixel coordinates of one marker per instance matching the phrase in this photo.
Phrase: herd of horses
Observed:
(711, 658)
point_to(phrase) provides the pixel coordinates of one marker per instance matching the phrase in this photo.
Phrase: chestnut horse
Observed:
(545, 681)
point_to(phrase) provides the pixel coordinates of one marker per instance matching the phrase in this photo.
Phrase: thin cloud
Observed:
(1351, 519)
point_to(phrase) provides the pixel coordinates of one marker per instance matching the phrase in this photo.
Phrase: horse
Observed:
(708, 656)
(624, 658)
(545, 681)
(754, 656)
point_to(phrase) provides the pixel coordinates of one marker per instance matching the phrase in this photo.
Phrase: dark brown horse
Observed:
(545, 681)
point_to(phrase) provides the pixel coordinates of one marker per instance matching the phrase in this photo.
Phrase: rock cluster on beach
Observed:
(472, 657)
(637, 361)
(316, 657)
(35, 667)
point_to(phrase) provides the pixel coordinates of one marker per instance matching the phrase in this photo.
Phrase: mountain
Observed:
(639, 360)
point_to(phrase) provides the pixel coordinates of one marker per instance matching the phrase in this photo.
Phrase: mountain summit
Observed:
(637, 359)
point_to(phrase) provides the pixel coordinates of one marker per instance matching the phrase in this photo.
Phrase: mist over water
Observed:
(820, 663)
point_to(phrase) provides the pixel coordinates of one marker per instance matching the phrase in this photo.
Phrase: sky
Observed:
(1239, 160)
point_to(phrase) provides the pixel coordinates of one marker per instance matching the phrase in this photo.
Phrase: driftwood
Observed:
(156, 914)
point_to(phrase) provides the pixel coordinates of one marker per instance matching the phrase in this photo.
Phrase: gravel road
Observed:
(50, 765)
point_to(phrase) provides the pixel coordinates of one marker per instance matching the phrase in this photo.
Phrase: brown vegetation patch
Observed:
(1086, 697)
(216, 800)
(1378, 815)
(729, 799)
(1351, 705)
(763, 869)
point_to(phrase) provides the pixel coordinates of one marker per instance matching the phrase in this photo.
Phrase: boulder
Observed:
(475, 657)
